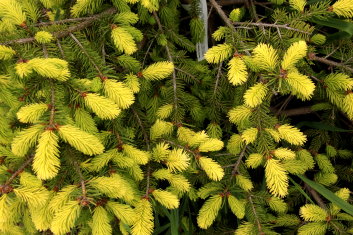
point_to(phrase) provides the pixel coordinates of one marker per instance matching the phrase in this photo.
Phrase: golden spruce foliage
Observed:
(46, 161)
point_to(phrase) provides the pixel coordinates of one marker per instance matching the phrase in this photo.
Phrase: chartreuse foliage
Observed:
(109, 125)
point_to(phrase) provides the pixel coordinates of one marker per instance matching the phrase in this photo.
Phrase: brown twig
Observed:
(52, 91)
(86, 53)
(60, 49)
(147, 140)
(259, 227)
(316, 196)
(181, 146)
(66, 32)
(145, 135)
(82, 180)
(83, 199)
(147, 51)
(148, 180)
(19, 170)
(313, 57)
(295, 112)
(65, 21)
(240, 2)
(277, 26)
(189, 74)
(237, 164)
(219, 73)
(284, 105)
(118, 137)
(225, 19)
(231, 2)
(170, 58)
(222, 14)
(252, 9)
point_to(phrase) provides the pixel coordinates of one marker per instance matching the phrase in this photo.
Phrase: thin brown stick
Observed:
(19, 170)
(219, 73)
(239, 2)
(170, 58)
(189, 74)
(147, 140)
(259, 227)
(252, 9)
(284, 105)
(313, 57)
(145, 135)
(147, 51)
(277, 26)
(148, 180)
(60, 49)
(65, 21)
(86, 53)
(231, 2)
(52, 91)
(225, 18)
(66, 32)
(118, 137)
(296, 111)
(82, 179)
(237, 164)
(316, 196)
(181, 146)
(222, 14)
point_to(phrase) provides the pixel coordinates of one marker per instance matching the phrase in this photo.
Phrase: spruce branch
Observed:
(267, 25)
(68, 31)
(52, 94)
(231, 24)
(252, 8)
(58, 43)
(284, 105)
(148, 179)
(219, 73)
(294, 112)
(147, 51)
(186, 148)
(237, 164)
(83, 199)
(241, 2)
(4, 188)
(316, 196)
(189, 74)
(143, 129)
(65, 21)
(225, 18)
(170, 58)
(313, 57)
(259, 227)
(82, 180)
(119, 139)
(222, 14)
(86, 53)
(147, 140)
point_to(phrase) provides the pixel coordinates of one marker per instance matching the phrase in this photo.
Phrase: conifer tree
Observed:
(110, 125)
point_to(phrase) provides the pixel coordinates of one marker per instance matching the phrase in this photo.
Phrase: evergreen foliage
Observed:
(110, 125)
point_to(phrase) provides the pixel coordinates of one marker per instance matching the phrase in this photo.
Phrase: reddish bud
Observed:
(4, 189)
(103, 78)
(139, 74)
